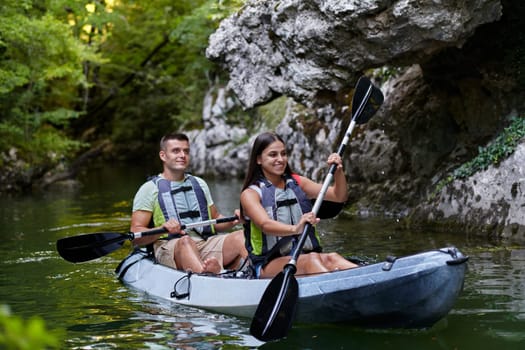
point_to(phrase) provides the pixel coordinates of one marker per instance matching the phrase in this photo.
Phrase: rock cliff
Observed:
(452, 77)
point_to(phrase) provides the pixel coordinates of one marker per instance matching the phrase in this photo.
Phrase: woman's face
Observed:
(273, 159)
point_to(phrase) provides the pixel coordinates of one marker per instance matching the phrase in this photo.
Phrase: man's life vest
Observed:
(284, 205)
(184, 201)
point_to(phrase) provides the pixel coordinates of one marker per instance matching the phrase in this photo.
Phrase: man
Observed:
(175, 197)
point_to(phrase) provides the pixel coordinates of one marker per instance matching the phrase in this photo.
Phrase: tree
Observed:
(158, 74)
(73, 72)
(41, 72)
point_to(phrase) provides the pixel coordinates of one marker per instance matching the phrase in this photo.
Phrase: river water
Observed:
(93, 310)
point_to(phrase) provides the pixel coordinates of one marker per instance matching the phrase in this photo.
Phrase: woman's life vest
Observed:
(184, 201)
(284, 205)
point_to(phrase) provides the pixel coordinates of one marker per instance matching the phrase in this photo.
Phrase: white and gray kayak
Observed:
(407, 292)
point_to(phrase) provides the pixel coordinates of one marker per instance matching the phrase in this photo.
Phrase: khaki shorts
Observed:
(212, 247)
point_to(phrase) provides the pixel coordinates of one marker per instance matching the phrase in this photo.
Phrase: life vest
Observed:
(184, 201)
(284, 205)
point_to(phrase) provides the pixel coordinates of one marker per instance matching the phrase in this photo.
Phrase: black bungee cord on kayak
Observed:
(176, 294)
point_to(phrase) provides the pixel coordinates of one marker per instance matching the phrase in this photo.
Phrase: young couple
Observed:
(275, 207)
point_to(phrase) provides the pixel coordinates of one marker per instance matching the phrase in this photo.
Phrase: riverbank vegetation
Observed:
(497, 150)
(76, 72)
(32, 334)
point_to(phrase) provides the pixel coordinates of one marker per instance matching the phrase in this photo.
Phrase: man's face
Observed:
(176, 155)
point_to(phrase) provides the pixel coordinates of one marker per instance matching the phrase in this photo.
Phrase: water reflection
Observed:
(498, 277)
(153, 323)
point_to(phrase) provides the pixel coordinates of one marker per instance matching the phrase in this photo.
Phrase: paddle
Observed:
(273, 318)
(95, 245)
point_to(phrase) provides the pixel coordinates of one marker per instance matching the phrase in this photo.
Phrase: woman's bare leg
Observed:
(306, 264)
(334, 261)
(310, 263)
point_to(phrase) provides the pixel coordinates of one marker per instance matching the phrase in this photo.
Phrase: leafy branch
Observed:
(502, 147)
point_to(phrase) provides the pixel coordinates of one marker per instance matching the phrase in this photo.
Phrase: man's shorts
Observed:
(212, 247)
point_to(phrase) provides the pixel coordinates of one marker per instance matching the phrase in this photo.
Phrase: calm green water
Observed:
(95, 311)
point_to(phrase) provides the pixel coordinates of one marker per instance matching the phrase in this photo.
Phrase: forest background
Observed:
(78, 77)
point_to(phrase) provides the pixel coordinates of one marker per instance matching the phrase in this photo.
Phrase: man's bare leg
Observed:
(187, 256)
(234, 249)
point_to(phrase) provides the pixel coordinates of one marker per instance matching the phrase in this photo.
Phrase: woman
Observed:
(276, 205)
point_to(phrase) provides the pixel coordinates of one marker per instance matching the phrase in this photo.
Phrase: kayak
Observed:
(413, 291)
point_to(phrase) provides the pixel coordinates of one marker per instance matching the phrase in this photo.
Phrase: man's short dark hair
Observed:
(172, 136)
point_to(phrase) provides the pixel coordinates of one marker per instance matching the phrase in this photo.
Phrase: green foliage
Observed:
(168, 89)
(499, 149)
(387, 72)
(503, 146)
(127, 69)
(17, 334)
(272, 113)
(41, 72)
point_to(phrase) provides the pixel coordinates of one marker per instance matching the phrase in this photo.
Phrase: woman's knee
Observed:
(331, 258)
(313, 257)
